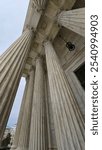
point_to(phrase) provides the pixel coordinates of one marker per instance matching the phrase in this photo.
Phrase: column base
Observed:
(21, 148)
(13, 147)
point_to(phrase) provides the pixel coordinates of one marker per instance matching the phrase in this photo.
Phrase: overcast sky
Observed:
(12, 17)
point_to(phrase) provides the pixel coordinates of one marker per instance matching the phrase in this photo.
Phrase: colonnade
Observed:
(31, 131)
(68, 122)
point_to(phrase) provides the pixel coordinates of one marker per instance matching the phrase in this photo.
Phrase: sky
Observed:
(12, 17)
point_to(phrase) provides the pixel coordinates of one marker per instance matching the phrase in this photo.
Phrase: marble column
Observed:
(73, 20)
(37, 128)
(25, 126)
(11, 67)
(19, 122)
(68, 122)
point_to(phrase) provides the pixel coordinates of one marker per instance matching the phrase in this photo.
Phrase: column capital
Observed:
(39, 5)
(29, 28)
(38, 57)
(32, 68)
(48, 43)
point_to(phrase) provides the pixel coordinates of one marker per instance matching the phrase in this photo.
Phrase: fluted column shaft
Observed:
(69, 126)
(73, 20)
(19, 122)
(11, 66)
(25, 126)
(37, 132)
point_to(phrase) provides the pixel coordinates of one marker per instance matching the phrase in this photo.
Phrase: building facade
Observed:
(50, 54)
